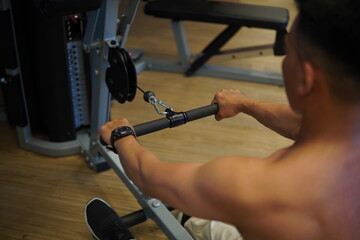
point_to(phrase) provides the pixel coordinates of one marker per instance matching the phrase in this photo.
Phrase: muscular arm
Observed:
(201, 189)
(278, 117)
(204, 190)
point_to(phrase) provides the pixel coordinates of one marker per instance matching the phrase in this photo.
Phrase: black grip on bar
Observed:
(159, 124)
(152, 126)
(202, 112)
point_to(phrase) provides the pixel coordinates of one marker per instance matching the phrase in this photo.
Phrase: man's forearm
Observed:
(132, 155)
(169, 182)
(278, 117)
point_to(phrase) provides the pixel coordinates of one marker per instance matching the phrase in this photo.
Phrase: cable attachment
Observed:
(150, 98)
(176, 118)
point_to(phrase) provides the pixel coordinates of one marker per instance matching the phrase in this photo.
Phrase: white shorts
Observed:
(202, 229)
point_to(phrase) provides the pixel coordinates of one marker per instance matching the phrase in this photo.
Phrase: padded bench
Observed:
(235, 15)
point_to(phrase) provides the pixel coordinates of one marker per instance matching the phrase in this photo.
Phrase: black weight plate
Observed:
(132, 76)
(116, 91)
(116, 76)
(124, 63)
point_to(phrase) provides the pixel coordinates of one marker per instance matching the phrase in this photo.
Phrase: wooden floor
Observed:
(43, 197)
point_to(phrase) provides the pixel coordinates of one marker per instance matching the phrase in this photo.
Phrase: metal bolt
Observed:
(96, 72)
(156, 204)
(97, 51)
(85, 47)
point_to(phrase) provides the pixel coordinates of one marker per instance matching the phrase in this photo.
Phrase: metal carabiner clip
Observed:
(150, 98)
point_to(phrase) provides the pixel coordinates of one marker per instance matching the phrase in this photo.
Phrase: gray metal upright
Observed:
(181, 43)
(100, 34)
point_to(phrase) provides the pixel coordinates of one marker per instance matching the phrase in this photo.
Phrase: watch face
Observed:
(120, 133)
(123, 131)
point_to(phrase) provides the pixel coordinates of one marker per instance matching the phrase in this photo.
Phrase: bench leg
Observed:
(181, 43)
(213, 48)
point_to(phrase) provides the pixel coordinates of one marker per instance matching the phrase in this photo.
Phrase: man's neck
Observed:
(331, 123)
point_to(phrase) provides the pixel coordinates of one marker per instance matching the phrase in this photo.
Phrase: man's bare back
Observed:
(315, 198)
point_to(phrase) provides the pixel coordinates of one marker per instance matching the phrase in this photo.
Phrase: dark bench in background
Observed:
(234, 15)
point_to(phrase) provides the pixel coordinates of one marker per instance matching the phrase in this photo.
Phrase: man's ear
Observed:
(308, 80)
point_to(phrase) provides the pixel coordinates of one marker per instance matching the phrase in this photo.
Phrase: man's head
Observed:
(326, 33)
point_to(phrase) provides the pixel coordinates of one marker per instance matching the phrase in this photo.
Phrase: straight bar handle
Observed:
(191, 115)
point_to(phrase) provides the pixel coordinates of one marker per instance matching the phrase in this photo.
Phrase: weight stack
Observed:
(53, 72)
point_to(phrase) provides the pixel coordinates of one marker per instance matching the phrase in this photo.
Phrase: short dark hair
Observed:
(333, 28)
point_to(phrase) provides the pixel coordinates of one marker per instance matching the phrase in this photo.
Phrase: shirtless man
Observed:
(310, 190)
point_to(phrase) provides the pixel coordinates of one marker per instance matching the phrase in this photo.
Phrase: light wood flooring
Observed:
(43, 197)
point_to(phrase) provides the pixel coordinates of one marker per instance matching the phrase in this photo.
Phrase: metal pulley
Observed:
(121, 78)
